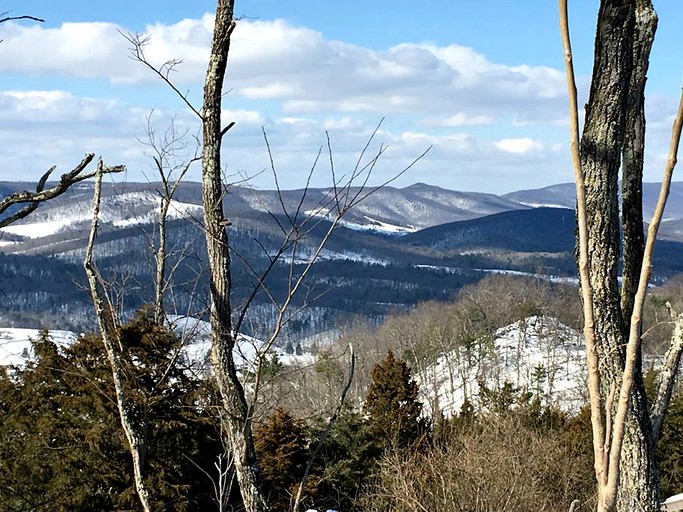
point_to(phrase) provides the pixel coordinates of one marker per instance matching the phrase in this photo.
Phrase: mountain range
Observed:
(397, 247)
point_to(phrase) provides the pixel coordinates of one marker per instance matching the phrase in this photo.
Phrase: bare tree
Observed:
(345, 193)
(625, 432)
(135, 431)
(171, 162)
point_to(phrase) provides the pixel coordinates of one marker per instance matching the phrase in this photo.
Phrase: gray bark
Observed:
(135, 432)
(614, 128)
(236, 417)
(160, 270)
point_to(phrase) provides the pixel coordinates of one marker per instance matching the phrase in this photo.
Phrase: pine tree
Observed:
(61, 445)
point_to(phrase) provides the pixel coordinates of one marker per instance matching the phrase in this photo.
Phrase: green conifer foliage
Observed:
(282, 450)
(60, 448)
(61, 445)
(392, 406)
(670, 449)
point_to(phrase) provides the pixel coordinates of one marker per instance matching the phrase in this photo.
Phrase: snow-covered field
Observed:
(15, 345)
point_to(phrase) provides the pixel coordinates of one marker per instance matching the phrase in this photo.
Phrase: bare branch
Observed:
(137, 53)
(597, 422)
(17, 18)
(25, 17)
(633, 346)
(666, 378)
(33, 199)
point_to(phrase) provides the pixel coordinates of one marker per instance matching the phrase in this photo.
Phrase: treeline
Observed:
(62, 447)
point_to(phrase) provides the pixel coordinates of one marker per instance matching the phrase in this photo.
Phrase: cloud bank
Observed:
(492, 125)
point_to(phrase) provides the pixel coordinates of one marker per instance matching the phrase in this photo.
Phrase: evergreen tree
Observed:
(61, 445)
(392, 406)
(281, 446)
(344, 465)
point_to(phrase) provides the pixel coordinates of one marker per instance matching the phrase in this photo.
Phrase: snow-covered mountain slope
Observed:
(119, 210)
(538, 354)
(564, 196)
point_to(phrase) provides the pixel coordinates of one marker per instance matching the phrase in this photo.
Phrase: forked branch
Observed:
(31, 200)
(138, 42)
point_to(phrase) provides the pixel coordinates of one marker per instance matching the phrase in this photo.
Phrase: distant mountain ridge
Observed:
(564, 196)
(397, 248)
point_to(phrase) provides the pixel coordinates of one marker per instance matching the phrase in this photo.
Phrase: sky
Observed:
(480, 82)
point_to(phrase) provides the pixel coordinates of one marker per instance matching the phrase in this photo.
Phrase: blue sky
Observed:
(482, 82)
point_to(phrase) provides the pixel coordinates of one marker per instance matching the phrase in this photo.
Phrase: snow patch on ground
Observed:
(15, 344)
(196, 349)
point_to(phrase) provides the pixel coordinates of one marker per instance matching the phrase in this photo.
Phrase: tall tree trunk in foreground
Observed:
(236, 410)
(625, 433)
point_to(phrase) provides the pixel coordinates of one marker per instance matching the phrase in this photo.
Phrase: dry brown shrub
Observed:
(501, 465)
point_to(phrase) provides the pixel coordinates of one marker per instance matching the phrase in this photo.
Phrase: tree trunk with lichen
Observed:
(237, 422)
(613, 139)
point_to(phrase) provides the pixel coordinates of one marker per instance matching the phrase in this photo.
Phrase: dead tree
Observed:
(238, 409)
(28, 201)
(135, 431)
(625, 431)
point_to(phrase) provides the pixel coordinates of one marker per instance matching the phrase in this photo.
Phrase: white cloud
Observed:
(459, 119)
(520, 146)
(432, 95)
(298, 66)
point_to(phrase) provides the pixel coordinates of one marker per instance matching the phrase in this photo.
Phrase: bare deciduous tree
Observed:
(345, 193)
(135, 431)
(172, 162)
(625, 432)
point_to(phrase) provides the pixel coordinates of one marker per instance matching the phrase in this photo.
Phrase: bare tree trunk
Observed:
(160, 270)
(624, 433)
(135, 433)
(236, 417)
